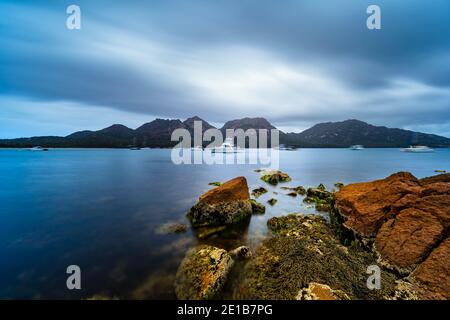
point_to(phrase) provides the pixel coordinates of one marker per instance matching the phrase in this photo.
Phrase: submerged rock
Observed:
(223, 205)
(257, 208)
(300, 190)
(292, 194)
(274, 177)
(272, 201)
(171, 227)
(202, 273)
(303, 250)
(241, 253)
(258, 192)
(206, 232)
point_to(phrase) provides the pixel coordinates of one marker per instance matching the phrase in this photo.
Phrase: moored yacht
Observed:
(417, 149)
(357, 147)
(226, 147)
(38, 148)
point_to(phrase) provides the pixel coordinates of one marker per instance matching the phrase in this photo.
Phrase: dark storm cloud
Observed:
(295, 62)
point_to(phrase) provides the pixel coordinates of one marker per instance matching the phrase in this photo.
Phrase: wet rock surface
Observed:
(202, 273)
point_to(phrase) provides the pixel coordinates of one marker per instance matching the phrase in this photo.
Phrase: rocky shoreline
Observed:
(399, 224)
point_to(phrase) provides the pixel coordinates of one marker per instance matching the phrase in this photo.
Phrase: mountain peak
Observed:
(189, 123)
(248, 123)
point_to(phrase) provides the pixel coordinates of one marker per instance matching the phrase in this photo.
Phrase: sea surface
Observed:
(100, 209)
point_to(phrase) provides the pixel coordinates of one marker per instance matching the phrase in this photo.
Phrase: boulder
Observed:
(227, 204)
(202, 273)
(233, 190)
(258, 192)
(257, 208)
(272, 201)
(274, 177)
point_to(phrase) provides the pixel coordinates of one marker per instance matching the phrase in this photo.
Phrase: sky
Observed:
(296, 63)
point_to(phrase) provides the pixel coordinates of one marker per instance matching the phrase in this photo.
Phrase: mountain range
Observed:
(157, 133)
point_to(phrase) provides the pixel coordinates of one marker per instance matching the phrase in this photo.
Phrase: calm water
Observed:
(99, 209)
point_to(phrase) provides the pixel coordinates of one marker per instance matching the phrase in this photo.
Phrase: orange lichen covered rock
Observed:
(408, 218)
(232, 190)
(405, 241)
(434, 273)
(366, 206)
(227, 204)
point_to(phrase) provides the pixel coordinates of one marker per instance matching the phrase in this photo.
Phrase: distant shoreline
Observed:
(127, 148)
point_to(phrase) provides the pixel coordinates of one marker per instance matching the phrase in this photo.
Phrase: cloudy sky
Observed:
(296, 63)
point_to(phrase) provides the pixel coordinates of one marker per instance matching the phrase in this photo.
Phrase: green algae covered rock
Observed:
(303, 250)
(202, 273)
(257, 208)
(258, 192)
(274, 177)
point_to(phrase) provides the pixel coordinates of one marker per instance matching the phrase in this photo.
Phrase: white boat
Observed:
(226, 147)
(38, 148)
(357, 147)
(417, 149)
